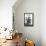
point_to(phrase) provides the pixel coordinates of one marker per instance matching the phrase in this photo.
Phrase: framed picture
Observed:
(28, 19)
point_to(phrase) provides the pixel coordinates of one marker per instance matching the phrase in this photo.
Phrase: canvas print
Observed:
(28, 19)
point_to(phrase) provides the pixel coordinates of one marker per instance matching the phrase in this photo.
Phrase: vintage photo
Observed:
(28, 19)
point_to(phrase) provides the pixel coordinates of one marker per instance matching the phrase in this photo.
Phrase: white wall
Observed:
(29, 32)
(6, 13)
(43, 22)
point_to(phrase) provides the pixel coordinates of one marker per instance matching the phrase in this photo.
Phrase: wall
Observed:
(6, 13)
(43, 22)
(32, 33)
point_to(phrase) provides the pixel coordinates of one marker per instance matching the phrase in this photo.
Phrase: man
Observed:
(28, 19)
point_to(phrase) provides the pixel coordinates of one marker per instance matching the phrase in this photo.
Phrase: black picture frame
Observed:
(28, 19)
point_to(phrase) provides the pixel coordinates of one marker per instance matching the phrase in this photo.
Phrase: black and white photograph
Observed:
(28, 19)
